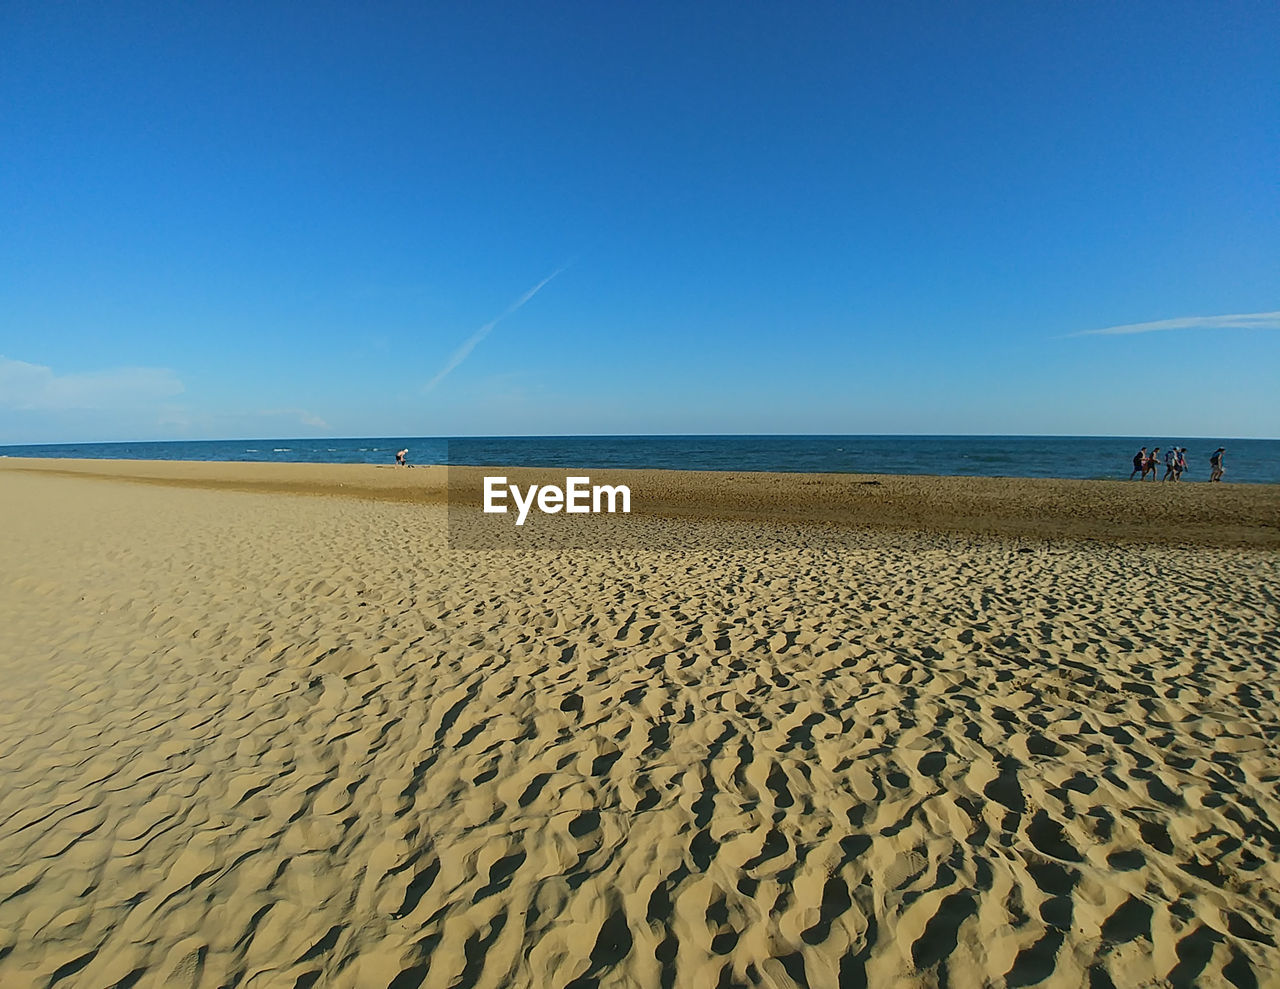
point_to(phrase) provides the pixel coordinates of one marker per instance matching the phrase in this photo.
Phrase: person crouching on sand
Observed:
(400, 461)
(1139, 459)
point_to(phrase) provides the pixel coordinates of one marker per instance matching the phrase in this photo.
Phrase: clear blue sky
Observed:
(245, 220)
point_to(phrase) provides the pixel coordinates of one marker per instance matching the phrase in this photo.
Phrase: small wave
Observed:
(282, 449)
(251, 449)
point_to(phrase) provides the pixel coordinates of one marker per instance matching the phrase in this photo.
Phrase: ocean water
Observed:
(1097, 457)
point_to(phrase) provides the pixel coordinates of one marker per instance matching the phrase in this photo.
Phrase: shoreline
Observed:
(1110, 511)
(306, 740)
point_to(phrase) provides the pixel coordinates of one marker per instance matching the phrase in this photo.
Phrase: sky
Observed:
(278, 220)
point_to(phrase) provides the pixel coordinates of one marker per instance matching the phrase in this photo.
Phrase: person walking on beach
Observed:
(1151, 464)
(1179, 463)
(1139, 459)
(1170, 464)
(1215, 463)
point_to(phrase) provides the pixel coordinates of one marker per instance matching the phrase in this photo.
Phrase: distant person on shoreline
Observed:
(1170, 464)
(1151, 464)
(400, 461)
(1139, 459)
(1180, 463)
(1215, 463)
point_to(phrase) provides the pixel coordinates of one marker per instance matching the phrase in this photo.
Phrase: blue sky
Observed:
(247, 220)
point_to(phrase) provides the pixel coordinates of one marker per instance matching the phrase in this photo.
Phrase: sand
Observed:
(1114, 511)
(261, 726)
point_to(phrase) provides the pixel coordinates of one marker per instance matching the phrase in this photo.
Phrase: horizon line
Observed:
(404, 437)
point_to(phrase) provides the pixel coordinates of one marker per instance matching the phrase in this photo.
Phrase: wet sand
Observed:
(1113, 511)
(261, 726)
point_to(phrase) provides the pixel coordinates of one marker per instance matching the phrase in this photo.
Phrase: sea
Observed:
(1085, 457)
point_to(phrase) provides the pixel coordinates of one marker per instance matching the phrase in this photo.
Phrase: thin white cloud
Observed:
(1238, 321)
(34, 387)
(463, 352)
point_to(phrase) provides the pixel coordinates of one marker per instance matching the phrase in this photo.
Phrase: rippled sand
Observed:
(253, 737)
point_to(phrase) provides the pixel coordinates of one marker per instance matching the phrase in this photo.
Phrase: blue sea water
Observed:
(1256, 461)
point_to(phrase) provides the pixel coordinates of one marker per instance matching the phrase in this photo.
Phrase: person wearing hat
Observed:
(400, 461)
(1215, 462)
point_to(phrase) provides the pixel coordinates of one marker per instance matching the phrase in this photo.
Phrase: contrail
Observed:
(1238, 321)
(464, 351)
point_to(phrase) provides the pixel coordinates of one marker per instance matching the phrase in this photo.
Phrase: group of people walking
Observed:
(1175, 464)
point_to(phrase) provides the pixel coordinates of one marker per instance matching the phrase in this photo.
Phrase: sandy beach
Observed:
(262, 726)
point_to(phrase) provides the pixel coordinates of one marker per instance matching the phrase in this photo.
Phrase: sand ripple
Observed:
(268, 740)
